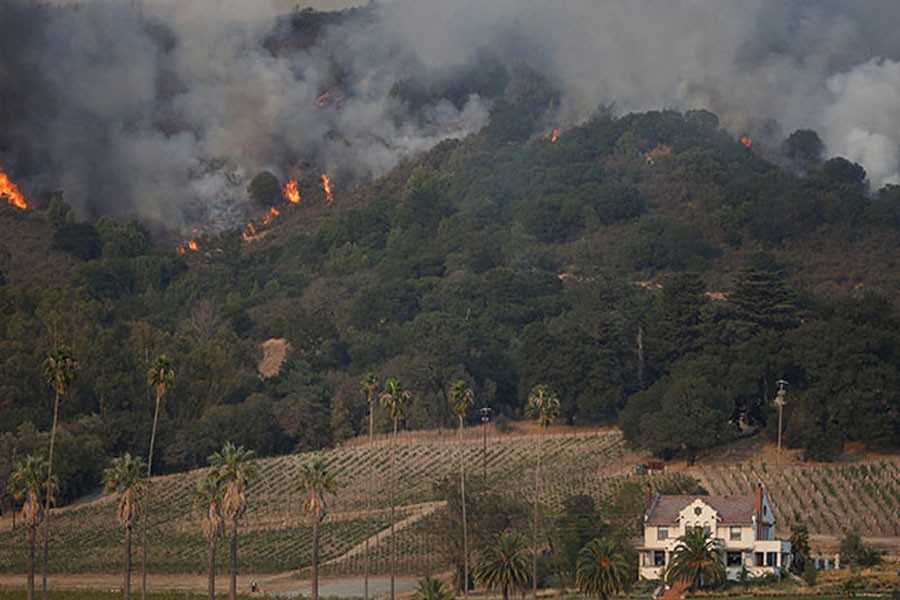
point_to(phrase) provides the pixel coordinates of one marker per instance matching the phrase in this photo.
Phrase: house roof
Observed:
(731, 509)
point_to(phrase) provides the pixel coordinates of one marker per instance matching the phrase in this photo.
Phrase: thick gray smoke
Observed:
(166, 116)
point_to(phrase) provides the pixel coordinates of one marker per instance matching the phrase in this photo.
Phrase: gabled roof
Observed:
(731, 509)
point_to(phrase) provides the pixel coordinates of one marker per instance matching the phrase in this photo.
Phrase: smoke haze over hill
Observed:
(167, 116)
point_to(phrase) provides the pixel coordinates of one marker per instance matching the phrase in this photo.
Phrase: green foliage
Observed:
(856, 553)
(79, 239)
(431, 589)
(264, 189)
(604, 569)
(696, 561)
(503, 564)
(578, 523)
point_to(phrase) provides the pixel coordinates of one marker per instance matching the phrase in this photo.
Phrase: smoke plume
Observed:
(165, 114)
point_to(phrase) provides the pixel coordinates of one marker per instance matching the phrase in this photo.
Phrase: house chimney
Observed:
(759, 507)
(648, 498)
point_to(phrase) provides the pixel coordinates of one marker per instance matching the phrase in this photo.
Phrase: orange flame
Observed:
(193, 245)
(554, 135)
(326, 185)
(12, 193)
(251, 228)
(273, 212)
(291, 192)
(746, 141)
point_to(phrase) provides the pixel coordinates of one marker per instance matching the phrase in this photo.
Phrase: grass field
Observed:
(274, 537)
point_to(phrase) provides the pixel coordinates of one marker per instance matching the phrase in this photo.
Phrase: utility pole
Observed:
(485, 413)
(779, 402)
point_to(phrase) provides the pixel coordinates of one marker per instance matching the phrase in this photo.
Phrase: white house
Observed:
(743, 527)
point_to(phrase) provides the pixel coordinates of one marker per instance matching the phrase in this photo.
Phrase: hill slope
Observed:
(275, 538)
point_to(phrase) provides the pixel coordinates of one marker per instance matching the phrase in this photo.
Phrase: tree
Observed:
(461, 397)
(208, 499)
(236, 467)
(799, 548)
(578, 523)
(160, 377)
(394, 398)
(431, 589)
(264, 189)
(696, 561)
(504, 564)
(543, 407)
(856, 553)
(25, 484)
(59, 371)
(370, 391)
(126, 478)
(315, 481)
(602, 569)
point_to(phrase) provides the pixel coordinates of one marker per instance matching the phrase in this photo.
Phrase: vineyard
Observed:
(274, 537)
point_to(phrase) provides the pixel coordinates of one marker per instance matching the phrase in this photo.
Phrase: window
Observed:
(659, 558)
(662, 533)
(733, 559)
(771, 559)
(734, 533)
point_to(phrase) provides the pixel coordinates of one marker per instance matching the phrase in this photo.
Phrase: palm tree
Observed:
(160, 377)
(25, 484)
(461, 397)
(394, 398)
(208, 499)
(431, 589)
(315, 481)
(236, 467)
(59, 371)
(126, 478)
(543, 407)
(504, 564)
(369, 390)
(601, 569)
(696, 560)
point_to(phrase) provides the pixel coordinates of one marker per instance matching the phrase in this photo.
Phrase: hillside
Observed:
(275, 538)
(636, 265)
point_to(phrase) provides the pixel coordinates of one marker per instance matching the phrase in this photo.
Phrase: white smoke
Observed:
(166, 116)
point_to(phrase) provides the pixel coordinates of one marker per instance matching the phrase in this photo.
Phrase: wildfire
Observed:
(326, 185)
(746, 141)
(11, 191)
(291, 192)
(273, 212)
(554, 135)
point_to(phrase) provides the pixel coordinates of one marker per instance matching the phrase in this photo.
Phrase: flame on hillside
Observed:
(554, 135)
(746, 141)
(11, 192)
(291, 192)
(273, 212)
(326, 185)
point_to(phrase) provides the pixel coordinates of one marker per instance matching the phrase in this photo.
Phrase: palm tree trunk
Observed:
(315, 561)
(537, 480)
(232, 589)
(31, 547)
(465, 529)
(127, 563)
(368, 504)
(393, 509)
(211, 584)
(47, 502)
(145, 517)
